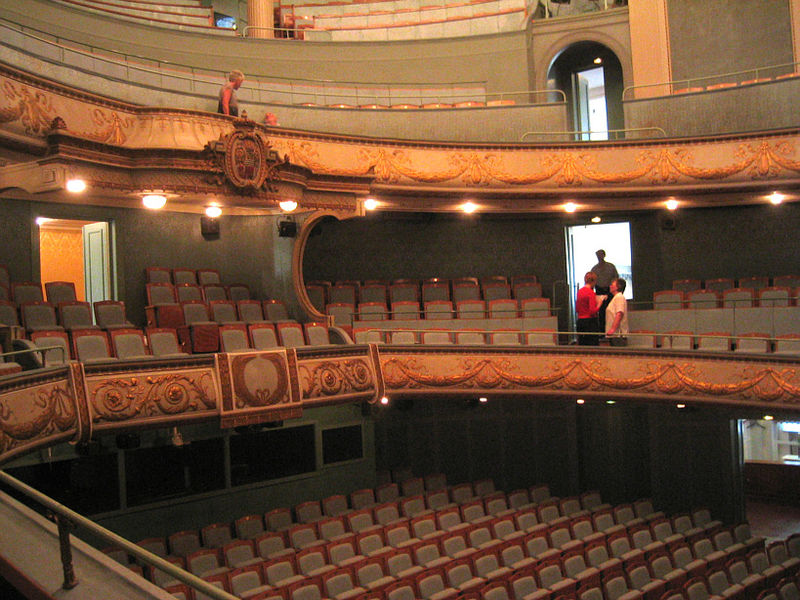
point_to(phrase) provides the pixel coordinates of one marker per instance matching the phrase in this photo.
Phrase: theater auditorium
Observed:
(325, 348)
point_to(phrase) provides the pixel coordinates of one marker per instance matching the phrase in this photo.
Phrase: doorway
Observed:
(76, 251)
(590, 75)
(582, 241)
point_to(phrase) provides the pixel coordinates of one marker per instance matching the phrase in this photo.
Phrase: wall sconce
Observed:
(213, 211)
(287, 205)
(154, 201)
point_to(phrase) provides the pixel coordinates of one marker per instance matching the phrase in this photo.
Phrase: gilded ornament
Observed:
(33, 109)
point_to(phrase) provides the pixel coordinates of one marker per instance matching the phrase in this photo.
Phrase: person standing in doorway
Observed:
(606, 272)
(228, 104)
(587, 308)
(617, 314)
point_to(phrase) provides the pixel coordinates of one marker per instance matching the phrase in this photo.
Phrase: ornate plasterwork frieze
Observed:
(29, 106)
(135, 398)
(38, 414)
(257, 387)
(701, 380)
(340, 379)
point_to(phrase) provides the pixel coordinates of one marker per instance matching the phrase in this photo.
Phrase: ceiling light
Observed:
(680, 406)
(469, 207)
(384, 400)
(76, 186)
(672, 204)
(42, 220)
(611, 401)
(213, 211)
(570, 207)
(598, 61)
(154, 201)
(768, 417)
(596, 219)
(776, 198)
(580, 401)
(287, 205)
(483, 399)
(370, 204)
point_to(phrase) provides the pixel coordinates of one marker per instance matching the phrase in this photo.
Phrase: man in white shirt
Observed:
(617, 314)
(606, 272)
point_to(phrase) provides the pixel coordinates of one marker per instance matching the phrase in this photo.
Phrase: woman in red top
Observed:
(586, 306)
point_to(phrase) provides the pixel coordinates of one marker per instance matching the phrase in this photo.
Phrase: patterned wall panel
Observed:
(61, 252)
(335, 378)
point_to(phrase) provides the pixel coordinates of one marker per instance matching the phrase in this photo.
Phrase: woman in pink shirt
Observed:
(586, 307)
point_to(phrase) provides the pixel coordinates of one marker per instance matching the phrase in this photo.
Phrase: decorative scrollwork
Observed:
(765, 384)
(171, 394)
(52, 410)
(331, 378)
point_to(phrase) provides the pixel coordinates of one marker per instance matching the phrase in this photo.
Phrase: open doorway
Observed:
(590, 75)
(583, 241)
(76, 251)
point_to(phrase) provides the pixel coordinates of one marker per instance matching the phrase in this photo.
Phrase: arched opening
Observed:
(590, 75)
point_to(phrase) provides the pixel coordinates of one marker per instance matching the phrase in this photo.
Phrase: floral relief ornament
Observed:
(51, 411)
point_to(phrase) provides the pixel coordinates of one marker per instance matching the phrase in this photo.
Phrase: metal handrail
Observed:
(40, 349)
(70, 517)
(755, 71)
(591, 131)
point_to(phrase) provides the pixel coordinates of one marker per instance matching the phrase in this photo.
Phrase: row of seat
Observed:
(172, 15)
(728, 298)
(167, 293)
(733, 84)
(721, 284)
(716, 341)
(470, 337)
(322, 293)
(554, 555)
(345, 313)
(425, 106)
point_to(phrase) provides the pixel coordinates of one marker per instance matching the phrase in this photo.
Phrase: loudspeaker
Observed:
(287, 229)
(209, 228)
(669, 223)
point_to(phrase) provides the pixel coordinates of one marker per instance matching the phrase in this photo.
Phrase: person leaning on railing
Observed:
(228, 104)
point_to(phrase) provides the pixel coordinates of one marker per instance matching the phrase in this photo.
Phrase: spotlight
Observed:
(580, 401)
(672, 204)
(776, 198)
(611, 401)
(596, 219)
(570, 207)
(598, 61)
(154, 201)
(768, 417)
(287, 205)
(213, 211)
(483, 399)
(370, 204)
(76, 186)
(681, 405)
(469, 207)
(42, 220)
(384, 400)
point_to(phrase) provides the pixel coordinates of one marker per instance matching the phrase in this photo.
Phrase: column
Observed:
(650, 49)
(260, 18)
(794, 12)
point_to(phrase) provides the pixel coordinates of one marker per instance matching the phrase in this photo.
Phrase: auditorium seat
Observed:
(439, 310)
(686, 285)
(224, 312)
(76, 315)
(738, 298)
(184, 276)
(373, 311)
(755, 282)
(403, 337)
(504, 338)
(39, 316)
(471, 309)
(464, 290)
(714, 341)
(213, 292)
(263, 336)
(435, 290)
(26, 291)
(719, 285)
(158, 275)
(534, 307)
(343, 315)
(436, 336)
(495, 290)
(56, 338)
(526, 289)
(238, 291)
(186, 292)
(502, 308)
(110, 314)
(344, 293)
(275, 311)
(163, 342)
(91, 345)
(640, 338)
(207, 277)
(702, 299)
(318, 295)
(668, 299)
(787, 281)
(60, 291)
(374, 292)
(787, 344)
(540, 337)
(129, 344)
(316, 334)
(233, 338)
(405, 290)
(774, 296)
(404, 309)
(199, 333)
(363, 335)
(247, 580)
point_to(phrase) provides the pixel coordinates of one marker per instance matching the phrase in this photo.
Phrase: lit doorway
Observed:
(590, 75)
(589, 90)
(583, 241)
(76, 251)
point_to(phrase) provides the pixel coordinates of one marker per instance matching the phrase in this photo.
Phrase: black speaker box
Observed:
(209, 227)
(287, 229)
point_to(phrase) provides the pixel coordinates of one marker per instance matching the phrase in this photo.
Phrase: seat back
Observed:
(53, 338)
(91, 345)
(38, 316)
(128, 343)
(471, 309)
(534, 307)
(75, 315)
(184, 276)
(214, 292)
(239, 291)
(110, 313)
(186, 292)
(233, 338)
(163, 342)
(438, 310)
(249, 311)
(290, 334)
(60, 291)
(158, 275)
(8, 313)
(160, 293)
(275, 311)
(26, 291)
(317, 334)
(207, 276)
(223, 311)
